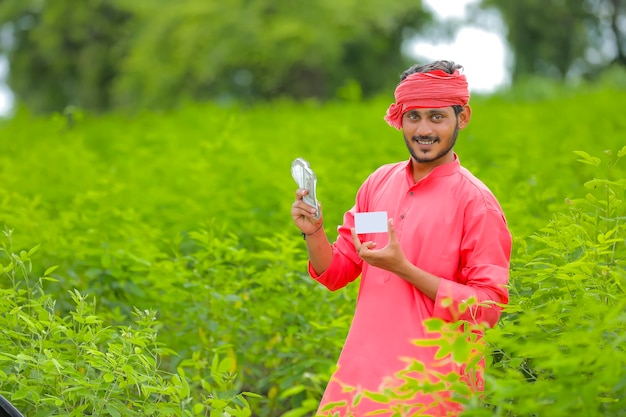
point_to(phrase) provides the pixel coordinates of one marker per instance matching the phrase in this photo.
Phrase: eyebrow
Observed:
(428, 112)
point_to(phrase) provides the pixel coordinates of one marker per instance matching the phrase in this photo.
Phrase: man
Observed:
(447, 242)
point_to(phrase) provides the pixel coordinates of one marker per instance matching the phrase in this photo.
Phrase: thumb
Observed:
(391, 230)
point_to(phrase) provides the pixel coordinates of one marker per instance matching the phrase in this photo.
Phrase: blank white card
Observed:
(370, 222)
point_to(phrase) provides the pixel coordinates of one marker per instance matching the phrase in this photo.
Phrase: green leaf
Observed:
(292, 391)
(447, 302)
(57, 365)
(24, 357)
(383, 411)
(297, 412)
(224, 366)
(607, 400)
(434, 324)
(595, 183)
(20, 394)
(198, 408)
(34, 249)
(218, 404)
(215, 364)
(588, 159)
(50, 270)
(375, 396)
(251, 394)
(113, 411)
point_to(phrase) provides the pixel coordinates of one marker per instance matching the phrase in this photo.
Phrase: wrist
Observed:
(305, 235)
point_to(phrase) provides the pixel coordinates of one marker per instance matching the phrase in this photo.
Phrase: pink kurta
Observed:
(448, 224)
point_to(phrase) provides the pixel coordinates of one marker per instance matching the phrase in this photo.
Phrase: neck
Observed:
(422, 169)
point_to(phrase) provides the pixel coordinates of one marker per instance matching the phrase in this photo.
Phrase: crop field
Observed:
(150, 267)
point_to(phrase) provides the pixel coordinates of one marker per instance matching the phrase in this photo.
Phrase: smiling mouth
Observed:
(425, 141)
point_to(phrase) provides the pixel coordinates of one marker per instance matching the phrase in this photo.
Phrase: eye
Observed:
(413, 115)
(437, 117)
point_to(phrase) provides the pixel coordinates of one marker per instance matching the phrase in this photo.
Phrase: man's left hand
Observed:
(390, 258)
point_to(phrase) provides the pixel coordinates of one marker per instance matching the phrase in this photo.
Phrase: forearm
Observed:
(481, 310)
(319, 250)
(424, 281)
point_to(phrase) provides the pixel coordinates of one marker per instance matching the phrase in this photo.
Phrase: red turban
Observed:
(427, 90)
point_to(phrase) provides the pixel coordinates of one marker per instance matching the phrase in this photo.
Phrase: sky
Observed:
(481, 52)
(6, 98)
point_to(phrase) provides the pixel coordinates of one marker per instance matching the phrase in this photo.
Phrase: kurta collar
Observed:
(446, 169)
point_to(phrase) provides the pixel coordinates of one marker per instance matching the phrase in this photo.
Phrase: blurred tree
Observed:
(558, 38)
(63, 52)
(99, 54)
(612, 17)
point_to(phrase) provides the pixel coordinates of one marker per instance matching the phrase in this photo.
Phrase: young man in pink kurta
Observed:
(447, 242)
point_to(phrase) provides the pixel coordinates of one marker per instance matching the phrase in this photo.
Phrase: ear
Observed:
(465, 116)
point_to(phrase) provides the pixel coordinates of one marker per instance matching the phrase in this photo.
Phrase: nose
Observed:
(423, 128)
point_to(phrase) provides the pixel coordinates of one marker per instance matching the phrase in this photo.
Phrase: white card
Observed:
(370, 222)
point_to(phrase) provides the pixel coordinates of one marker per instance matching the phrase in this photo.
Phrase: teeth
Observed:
(425, 142)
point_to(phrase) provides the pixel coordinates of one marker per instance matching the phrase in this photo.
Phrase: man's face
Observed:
(430, 134)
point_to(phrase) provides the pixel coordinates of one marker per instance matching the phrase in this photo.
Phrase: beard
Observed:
(441, 154)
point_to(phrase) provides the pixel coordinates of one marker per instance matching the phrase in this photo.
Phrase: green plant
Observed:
(74, 365)
(559, 349)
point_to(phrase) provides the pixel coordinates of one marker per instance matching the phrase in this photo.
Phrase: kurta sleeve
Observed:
(483, 273)
(346, 264)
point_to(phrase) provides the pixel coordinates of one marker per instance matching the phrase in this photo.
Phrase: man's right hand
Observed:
(318, 247)
(304, 215)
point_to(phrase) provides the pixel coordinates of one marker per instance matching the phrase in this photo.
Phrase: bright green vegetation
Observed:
(153, 268)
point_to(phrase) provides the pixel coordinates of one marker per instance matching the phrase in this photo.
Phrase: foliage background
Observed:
(149, 264)
(186, 213)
